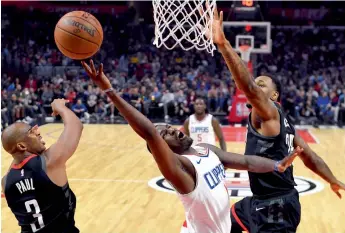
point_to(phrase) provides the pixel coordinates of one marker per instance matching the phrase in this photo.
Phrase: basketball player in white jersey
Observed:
(197, 174)
(202, 127)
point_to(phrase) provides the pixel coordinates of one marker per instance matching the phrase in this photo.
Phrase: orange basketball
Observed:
(78, 35)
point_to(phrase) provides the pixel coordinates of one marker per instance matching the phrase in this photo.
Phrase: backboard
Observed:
(255, 34)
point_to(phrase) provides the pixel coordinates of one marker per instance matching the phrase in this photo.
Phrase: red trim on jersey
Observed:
(19, 166)
(238, 220)
(2, 195)
(184, 224)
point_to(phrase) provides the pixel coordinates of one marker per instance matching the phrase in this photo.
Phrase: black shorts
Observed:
(277, 214)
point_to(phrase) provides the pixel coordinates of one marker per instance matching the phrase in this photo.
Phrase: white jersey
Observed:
(207, 207)
(202, 131)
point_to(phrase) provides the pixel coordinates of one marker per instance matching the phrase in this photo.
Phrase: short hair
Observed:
(278, 85)
(200, 98)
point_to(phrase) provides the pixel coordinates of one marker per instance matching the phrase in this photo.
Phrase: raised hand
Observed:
(99, 77)
(216, 26)
(287, 161)
(57, 104)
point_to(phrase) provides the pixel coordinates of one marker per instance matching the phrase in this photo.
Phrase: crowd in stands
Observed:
(163, 84)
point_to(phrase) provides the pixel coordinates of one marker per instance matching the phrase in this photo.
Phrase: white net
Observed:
(183, 23)
(245, 52)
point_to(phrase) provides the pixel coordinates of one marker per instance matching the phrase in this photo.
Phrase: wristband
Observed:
(276, 166)
(108, 90)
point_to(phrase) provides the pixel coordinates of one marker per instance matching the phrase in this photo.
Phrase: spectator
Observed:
(342, 109)
(79, 108)
(213, 103)
(168, 78)
(324, 105)
(31, 83)
(47, 95)
(168, 101)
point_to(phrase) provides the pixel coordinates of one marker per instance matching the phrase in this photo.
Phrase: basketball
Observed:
(78, 35)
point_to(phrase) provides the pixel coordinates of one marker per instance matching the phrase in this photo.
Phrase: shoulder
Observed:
(214, 121)
(46, 160)
(213, 118)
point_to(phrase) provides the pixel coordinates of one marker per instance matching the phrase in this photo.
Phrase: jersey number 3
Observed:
(289, 142)
(37, 214)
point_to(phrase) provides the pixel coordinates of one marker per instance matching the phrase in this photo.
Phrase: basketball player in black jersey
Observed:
(275, 205)
(36, 186)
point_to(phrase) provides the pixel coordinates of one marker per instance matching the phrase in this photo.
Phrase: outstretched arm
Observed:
(219, 133)
(318, 165)
(252, 163)
(170, 165)
(66, 145)
(243, 79)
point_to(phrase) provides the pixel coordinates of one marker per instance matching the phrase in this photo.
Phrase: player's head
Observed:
(271, 86)
(199, 106)
(20, 137)
(176, 140)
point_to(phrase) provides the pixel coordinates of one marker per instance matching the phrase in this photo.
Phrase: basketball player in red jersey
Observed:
(275, 205)
(196, 173)
(202, 127)
(36, 185)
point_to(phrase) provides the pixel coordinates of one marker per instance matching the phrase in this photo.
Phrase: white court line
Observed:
(108, 180)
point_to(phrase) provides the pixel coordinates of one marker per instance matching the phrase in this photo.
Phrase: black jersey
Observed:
(38, 204)
(275, 148)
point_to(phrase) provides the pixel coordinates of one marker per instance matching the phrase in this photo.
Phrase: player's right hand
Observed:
(287, 161)
(58, 105)
(99, 77)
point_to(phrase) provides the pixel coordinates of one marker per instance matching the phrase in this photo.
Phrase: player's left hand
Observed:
(99, 77)
(337, 186)
(218, 35)
(287, 161)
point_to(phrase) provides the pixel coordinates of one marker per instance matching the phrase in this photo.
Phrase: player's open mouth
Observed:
(181, 135)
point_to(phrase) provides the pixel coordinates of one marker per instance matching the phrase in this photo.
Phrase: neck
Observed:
(190, 151)
(200, 116)
(18, 157)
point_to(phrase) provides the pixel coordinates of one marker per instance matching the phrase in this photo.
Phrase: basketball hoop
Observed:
(183, 23)
(245, 52)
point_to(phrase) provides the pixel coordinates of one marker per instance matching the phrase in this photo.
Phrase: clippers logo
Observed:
(237, 184)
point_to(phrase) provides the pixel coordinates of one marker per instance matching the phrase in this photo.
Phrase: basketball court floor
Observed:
(120, 189)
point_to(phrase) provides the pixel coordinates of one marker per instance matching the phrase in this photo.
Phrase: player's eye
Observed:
(164, 132)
